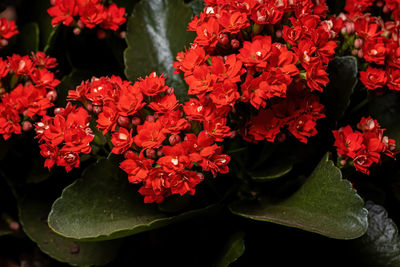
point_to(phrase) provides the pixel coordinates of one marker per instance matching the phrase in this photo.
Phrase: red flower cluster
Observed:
(64, 137)
(252, 51)
(7, 30)
(376, 40)
(366, 147)
(148, 126)
(26, 91)
(87, 13)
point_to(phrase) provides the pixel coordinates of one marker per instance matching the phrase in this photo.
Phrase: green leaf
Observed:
(233, 250)
(102, 205)
(157, 31)
(273, 171)
(385, 109)
(29, 38)
(380, 246)
(343, 79)
(33, 215)
(325, 204)
(37, 173)
(52, 40)
(197, 6)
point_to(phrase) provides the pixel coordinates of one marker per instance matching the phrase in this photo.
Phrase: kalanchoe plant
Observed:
(213, 131)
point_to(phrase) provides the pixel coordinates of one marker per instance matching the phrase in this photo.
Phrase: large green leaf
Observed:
(33, 217)
(343, 79)
(157, 31)
(385, 109)
(233, 249)
(102, 205)
(325, 204)
(380, 246)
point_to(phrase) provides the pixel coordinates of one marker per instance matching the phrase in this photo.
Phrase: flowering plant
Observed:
(208, 125)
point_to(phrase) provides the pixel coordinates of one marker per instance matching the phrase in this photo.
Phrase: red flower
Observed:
(150, 135)
(122, 140)
(7, 28)
(153, 84)
(373, 78)
(137, 167)
(63, 11)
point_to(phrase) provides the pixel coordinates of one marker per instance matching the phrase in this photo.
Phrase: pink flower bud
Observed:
(354, 52)
(343, 30)
(150, 118)
(122, 34)
(97, 109)
(170, 91)
(360, 54)
(386, 9)
(14, 226)
(358, 43)
(343, 162)
(278, 34)
(3, 42)
(27, 126)
(235, 43)
(52, 95)
(379, 4)
(200, 175)
(89, 107)
(76, 31)
(159, 152)
(101, 34)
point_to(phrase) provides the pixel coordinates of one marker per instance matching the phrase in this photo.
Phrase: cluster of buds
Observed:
(27, 91)
(363, 148)
(256, 52)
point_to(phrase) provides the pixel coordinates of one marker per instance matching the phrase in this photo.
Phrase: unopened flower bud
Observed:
(159, 153)
(235, 43)
(3, 42)
(124, 121)
(122, 34)
(170, 91)
(150, 153)
(278, 34)
(80, 24)
(27, 126)
(343, 30)
(360, 54)
(223, 39)
(358, 43)
(136, 121)
(233, 135)
(52, 2)
(174, 139)
(354, 52)
(281, 137)
(200, 175)
(101, 34)
(58, 111)
(129, 154)
(76, 31)
(52, 95)
(89, 107)
(150, 118)
(386, 9)
(2, 91)
(350, 27)
(14, 226)
(379, 4)
(343, 162)
(97, 109)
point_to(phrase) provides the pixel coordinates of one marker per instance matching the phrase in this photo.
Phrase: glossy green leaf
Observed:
(233, 250)
(29, 38)
(380, 246)
(33, 217)
(325, 204)
(385, 109)
(343, 73)
(102, 205)
(157, 31)
(272, 171)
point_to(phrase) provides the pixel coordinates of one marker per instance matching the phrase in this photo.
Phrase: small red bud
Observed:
(360, 54)
(76, 31)
(97, 109)
(58, 111)
(150, 118)
(170, 91)
(124, 121)
(52, 95)
(200, 175)
(386, 9)
(122, 34)
(358, 43)
(159, 153)
(223, 39)
(150, 153)
(343, 162)
(379, 4)
(101, 34)
(278, 34)
(235, 43)
(52, 2)
(281, 137)
(354, 52)
(129, 154)
(14, 226)
(80, 24)
(2, 91)
(27, 126)
(174, 139)
(136, 121)
(3, 42)
(89, 107)
(233, 135)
